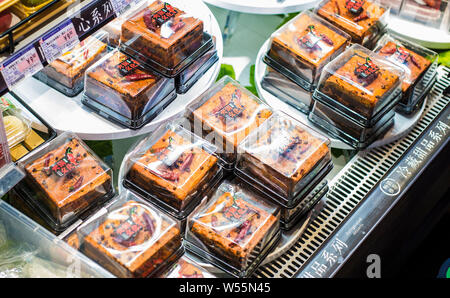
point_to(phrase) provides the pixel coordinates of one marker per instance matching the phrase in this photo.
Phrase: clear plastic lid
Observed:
(305, 44)
(360, 83)
(361, 19)
(234, 226)
(172, 167)
(283, 155)
(287, 90)
(230, 112)
(123, 85)
(66, 177)
(163, 32)
(71, 65)
(131, 239)
(185, 267)
(431, 13)
(16, 126)
(412, 58)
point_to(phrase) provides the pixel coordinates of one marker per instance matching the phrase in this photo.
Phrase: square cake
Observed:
(283, 155)
(413, 59)
(361, 81)
(124, 86)
(305, 44)
(361, 19)
(132, 239)
(175, 168)
(235, 225)
(231, 112)
(162, 33)
(70, 67)
(68, 179)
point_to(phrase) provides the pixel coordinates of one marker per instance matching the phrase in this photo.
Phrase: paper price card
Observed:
(59, 40)
(23, 64)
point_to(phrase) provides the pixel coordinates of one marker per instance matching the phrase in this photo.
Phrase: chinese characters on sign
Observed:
(327, 259)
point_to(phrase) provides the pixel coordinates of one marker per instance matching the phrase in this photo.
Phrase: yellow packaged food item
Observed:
(18, 151)
(33, 140)
(16, 130)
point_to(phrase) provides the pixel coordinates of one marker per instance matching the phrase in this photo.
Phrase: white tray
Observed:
(69, 114)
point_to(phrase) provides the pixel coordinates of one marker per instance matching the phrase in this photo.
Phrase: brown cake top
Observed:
(232, 113)
(131, 234)
(67, 172)
(234, 220)
(123, 74)
(72, 62)
(162, 23)
(365, 78)
(175, 163)
(411, 62)
(355, 16)
(309, 38)
(286, 146)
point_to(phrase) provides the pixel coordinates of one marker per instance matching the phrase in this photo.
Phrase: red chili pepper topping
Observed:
(388, 51)
(148, 223)
(414, 61)
(326, 39)
(187, 162)
(148, 20)
(361, 17)
(177, 26)
(77, 184)
(138, 77)
(245, 226)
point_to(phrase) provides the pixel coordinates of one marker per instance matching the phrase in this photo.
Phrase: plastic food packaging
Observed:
(132, 239)
(31, 251)
(430, 13)
(289, 217)
(418, 63)
(360, 84)
(284, 157)
(349, 131)
(287, 90)
(172, 168)
(35, 133)
(356, 96)
(64, 179)
(124, 91)
(187, 78)
(302, 47)
(185, 267)
(164, 37)
(66, 73)
(225, 114)
(234, 229)
(365, 21)
(17, 128)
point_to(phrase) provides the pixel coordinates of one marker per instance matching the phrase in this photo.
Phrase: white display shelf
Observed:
(69, 114)
(426, 36)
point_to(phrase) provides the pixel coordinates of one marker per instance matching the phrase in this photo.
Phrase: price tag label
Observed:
(24, 63)
(59, 40)
(119, 5)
